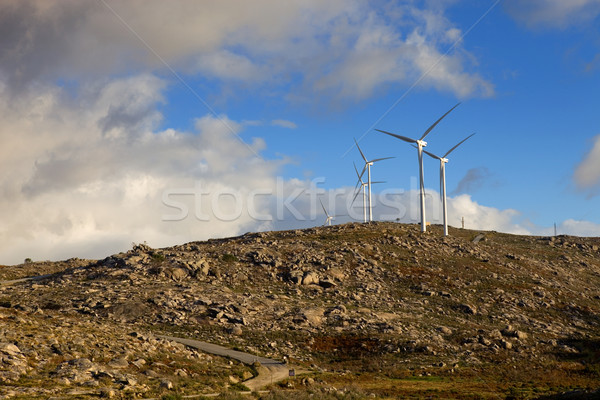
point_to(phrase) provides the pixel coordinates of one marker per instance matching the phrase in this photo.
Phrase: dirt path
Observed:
(270, 371)
(31, 278)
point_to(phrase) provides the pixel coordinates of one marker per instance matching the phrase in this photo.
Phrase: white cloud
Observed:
(284, 123)
(347, 49)
(72, 187)
(579, 228)
(381, 54)
(587, 173)
(553, 13)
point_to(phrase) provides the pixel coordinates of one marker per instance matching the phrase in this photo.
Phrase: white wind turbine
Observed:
(362, 187)
(443, 161)
(420, 144)
(368, 168)
(329, 217)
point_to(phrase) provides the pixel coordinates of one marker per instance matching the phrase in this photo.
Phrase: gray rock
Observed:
(118, 363)
(82, 364)
(10, 349)
(468, 309)
(177, 274)
(236, 330)
(166, 384)
(445, 330)
(310, 278)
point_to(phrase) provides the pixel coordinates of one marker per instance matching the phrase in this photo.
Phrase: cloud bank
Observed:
(87, 165)
(345, 49)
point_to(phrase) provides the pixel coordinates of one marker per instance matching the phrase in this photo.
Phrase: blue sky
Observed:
(113, 112)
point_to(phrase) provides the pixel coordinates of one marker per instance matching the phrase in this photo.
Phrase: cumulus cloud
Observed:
(86, 166)
(587, 173)
(70, 187)
(346, 49)
(553, 13)
(405, 207)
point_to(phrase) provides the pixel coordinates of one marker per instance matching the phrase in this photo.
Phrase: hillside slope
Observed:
(380, 308)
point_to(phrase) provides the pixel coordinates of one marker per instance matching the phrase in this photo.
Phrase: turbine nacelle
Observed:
(421, 143)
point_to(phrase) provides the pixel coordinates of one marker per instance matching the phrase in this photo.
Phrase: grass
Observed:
(229, 258)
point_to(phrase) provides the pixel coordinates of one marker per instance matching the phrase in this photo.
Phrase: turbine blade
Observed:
(363, 172)
(406, 139)
(361, 153)
(356, 195)
(360, 181)
(381, 159)
(372, 183)
(461, 142)
(357, 175)
(431, 155)
(323, 207)
(437, 122)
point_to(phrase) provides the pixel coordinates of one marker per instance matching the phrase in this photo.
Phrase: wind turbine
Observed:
(443, 161)
(420, 144)
(362, 187)
(329, 217)
(368, 168)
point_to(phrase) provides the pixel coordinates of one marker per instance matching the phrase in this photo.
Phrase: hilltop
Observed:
(378, 310)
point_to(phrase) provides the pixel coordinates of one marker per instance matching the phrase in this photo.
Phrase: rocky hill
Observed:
(371, 310)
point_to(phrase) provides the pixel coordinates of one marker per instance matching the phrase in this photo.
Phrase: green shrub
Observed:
(229, 258)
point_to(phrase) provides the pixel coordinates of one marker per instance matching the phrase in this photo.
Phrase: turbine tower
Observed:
(367, 167)
(420, 144)
(329, 217)
(443, 161)
(362, 185)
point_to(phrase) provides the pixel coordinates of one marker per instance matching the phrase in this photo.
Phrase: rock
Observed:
(495, 334)
(10, 349)
(340, 309)
(310, 278)
(247, 375)
(510, 332)
(236, 330)
(445, 330)
(108, 393)
(484, 341)
(506, 344)
(118, 363)
(166, 384)
(520, 335)
(468, 309)
(82, 364)
(177, 274)
(327, 283)
(479, 238)
(314, 316)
